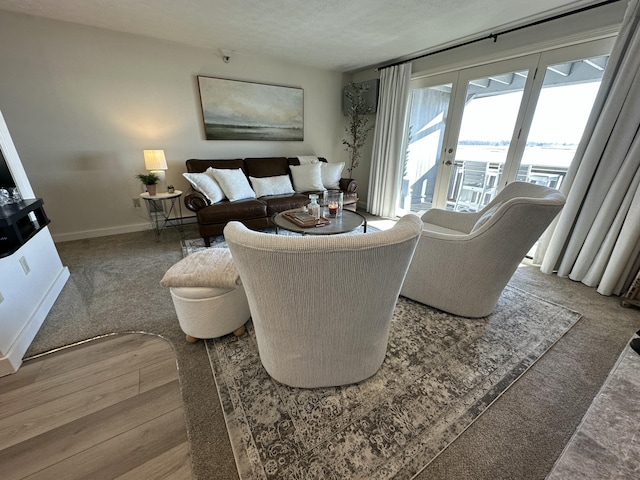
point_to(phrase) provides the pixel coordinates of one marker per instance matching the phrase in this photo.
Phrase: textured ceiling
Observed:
(342, 35)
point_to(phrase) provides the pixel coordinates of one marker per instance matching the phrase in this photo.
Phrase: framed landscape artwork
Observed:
(237, 110)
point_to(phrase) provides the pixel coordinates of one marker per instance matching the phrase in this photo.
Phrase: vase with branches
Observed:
(359, 123)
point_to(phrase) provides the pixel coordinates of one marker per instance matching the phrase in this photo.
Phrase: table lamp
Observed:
(155, 162)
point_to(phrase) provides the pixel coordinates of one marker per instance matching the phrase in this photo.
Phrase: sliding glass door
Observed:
(473, 131)
(430, 103)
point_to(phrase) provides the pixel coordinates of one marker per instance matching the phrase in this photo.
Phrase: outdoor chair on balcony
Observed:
(479, 185)
(524, 173)
(464, 260)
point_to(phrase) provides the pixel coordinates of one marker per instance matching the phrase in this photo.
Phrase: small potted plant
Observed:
(149, 180)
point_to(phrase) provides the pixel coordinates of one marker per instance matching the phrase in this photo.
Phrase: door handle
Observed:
(449, 152)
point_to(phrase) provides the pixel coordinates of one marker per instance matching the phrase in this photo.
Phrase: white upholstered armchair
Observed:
(322, 305)
(464, 260)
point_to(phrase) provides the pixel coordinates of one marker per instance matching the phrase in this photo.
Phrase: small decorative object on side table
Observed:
(160, 216)
(149, 180)
(314, 207)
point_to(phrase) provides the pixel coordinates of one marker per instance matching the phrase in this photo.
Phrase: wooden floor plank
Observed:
(139, 436)
(147, 343)
(26, 375)
(129, 450)
(55, 445)
(158, 374)
(35, 421)
(175, 464)
(68, 381)
(93, 351)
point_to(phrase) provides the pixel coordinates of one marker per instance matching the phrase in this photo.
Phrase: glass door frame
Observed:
(448, 155)
(429, 82)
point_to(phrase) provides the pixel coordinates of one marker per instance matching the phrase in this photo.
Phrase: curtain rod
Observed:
(494, 36)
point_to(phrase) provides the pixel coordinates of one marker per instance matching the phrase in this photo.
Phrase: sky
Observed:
(560, 116)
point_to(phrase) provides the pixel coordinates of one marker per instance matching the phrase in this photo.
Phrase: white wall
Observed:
(82, 103)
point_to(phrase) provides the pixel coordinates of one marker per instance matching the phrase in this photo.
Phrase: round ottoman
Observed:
(207, 294)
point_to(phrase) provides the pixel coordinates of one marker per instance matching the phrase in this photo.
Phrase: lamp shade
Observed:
(154, 160)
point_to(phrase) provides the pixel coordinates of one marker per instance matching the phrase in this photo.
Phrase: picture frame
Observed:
(240, 110)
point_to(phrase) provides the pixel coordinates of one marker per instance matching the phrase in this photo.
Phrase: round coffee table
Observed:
(348, 222)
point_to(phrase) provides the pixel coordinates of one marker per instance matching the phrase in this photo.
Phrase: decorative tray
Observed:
(295, 217)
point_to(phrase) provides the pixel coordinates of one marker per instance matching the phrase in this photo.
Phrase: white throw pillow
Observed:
(331, 174)
(234, 183)
(304, 159)
(205, 184)
(279, 185)
(307, 178)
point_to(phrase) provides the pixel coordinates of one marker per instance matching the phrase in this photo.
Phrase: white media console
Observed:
(31, 272)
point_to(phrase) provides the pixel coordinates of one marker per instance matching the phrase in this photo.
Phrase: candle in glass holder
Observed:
(333, 203)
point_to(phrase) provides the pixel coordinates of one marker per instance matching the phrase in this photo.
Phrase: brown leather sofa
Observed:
(254, 213)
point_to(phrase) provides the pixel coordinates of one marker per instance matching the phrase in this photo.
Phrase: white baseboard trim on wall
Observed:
(104, 232)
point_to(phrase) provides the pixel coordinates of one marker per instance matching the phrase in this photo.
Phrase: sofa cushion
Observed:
(279, 204)
(280, 185)
(225, 211)
(307, 178)
(234, 183)
(213, 267)
(304, 159)
(205, 184)
(199, 165)
(331, 174)
(266, 167)
(431, 227)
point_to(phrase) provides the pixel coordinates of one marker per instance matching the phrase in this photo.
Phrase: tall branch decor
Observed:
(359, 124)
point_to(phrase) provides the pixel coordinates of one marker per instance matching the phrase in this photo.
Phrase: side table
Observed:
(161, 207)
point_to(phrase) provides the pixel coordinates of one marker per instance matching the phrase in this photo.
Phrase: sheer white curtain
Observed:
(596, 239)
(388, 140)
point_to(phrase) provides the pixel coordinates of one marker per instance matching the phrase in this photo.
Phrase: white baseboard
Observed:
(104, 232)
(12, 361)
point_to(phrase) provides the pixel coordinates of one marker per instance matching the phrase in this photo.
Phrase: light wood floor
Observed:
(106, 409)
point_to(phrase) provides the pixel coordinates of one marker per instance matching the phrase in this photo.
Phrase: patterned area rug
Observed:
(441, 372)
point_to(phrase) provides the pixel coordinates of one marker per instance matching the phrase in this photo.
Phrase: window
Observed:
(473, 131)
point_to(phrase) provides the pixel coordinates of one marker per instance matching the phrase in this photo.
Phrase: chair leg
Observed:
(191, 339)
(239, 331)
